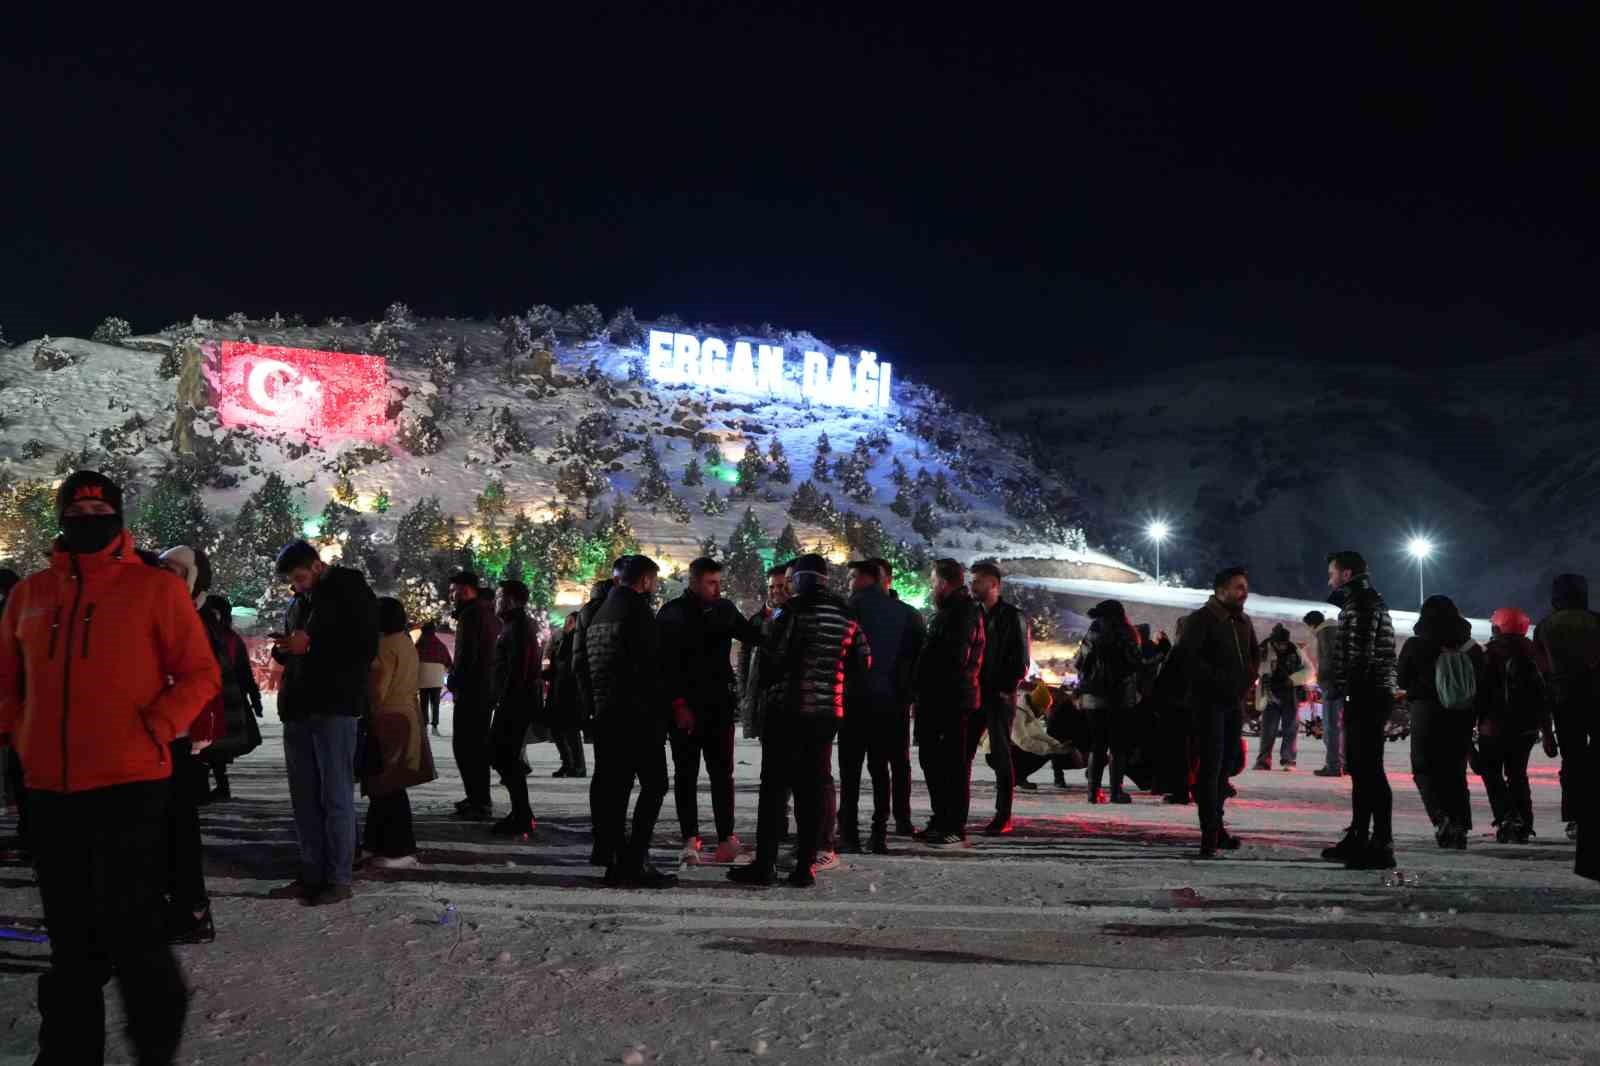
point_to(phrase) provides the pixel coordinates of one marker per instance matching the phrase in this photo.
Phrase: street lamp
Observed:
(1420, 549)
(1158, 531)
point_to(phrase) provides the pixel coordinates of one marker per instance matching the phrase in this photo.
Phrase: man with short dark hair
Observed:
(332, 638)
(91, 710)
(900, 754)
(1220, 656)
(616, 662)
(698, 629)
(472, 686)
(1363, 668)
(599, 856)
(515, 699)
(814, 655)
(948, 693)
(1006, 654)
(874, 726)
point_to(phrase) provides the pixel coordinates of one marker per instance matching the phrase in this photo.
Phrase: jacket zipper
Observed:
(66, 670)
(88, 619)
(55, 630)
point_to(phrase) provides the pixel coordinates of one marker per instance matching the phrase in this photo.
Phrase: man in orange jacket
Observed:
(103, 662)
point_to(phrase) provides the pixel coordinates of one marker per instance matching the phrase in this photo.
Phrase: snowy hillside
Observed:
(508, 429)
(1273, 465)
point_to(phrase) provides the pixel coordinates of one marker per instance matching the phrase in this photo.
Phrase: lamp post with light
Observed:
(1158, 531)
(1420, 549)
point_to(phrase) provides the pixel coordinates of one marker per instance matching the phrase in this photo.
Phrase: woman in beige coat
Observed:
(397, 755)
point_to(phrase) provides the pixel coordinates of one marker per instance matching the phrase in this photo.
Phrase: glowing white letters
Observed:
(684, 359)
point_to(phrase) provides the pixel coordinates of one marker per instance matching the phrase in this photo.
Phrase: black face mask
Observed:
(86, 534)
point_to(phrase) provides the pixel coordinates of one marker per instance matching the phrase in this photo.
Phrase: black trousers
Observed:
(1503, 766)
(19, 794)
(624, 751)
(878, 739)
(941, 749)
(1576, 733)
(1219, 729)
(430, 704)
(508, 755)
(1441, 740)
(569, 745)
(389, 831)
(796, 759)
(470, 743)
(1108, 737)
(715, 744)
(191, 780)
(1366, 718)
(994, 718)
(102, 865)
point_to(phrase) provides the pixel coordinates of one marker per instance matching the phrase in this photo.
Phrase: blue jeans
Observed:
(1333, 728)
(1217, 730)
(320, 753)
(1280, 720)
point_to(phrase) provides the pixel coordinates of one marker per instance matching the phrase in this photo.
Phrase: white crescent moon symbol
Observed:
(256, 386)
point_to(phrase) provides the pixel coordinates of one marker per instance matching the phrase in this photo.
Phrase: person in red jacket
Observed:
(434, 662)
(103, 663)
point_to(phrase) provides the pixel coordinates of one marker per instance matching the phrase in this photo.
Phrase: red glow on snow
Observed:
(298, 390)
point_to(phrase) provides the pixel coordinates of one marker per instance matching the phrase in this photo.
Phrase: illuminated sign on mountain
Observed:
(758, 369)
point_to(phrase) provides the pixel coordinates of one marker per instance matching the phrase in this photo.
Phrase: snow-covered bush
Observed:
(127, 438)
(112, 330)
(714, 505)
(624, 330)
(583, 320)
(398, 316)
(504, 436)
(542, 319)
(925, 522)
(47, 356)
(420, 434)
(237, 321)
(692, 474)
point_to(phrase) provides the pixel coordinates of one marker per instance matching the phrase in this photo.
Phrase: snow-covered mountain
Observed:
(1273, 464)
(492, 439)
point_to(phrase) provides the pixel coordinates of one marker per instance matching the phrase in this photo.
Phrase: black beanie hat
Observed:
(88, 485)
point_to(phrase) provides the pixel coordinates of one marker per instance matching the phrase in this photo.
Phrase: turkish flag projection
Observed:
(298, 390)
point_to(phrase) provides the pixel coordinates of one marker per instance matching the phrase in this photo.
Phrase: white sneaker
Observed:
(403, 862)
(691, 852)
(728, 850)
(826, 860)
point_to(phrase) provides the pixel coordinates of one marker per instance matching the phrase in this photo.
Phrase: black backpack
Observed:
(1523, 689)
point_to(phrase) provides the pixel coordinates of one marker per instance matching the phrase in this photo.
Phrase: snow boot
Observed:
(514, 825)
(801, 877)
(878, 844)
(1227, 841)
(1509, 831)
(755, 873)
(1353, 844)
(1208, 845)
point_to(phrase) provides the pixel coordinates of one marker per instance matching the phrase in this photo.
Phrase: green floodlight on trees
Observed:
(312, 528)
(725, 473)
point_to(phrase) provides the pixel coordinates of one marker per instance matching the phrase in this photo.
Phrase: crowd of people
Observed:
(124, 691)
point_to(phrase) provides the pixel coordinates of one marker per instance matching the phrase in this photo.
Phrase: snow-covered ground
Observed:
(1092, 935)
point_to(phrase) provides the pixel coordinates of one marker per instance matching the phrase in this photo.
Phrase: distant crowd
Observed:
(125, 693)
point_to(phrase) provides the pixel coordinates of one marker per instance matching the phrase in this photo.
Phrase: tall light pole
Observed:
(1420, 549)
(1158, 531)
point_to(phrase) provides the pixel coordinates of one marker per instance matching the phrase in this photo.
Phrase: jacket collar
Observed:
(956, 598)
(1222, 610)
(119, 551)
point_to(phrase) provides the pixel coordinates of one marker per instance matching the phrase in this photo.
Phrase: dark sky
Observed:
(997, 185)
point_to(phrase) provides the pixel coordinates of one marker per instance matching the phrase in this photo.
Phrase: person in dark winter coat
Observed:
(1107, 665)
(617, 663)
(1220, 655)
(1511, 716)
(1177, 749)
(241, 697)
(1007, 652)
(326, 653)
(814, 655)
(1362, 667)
(434, 662)
(471, 685)
(515, 700)
(949, 691)
(1441, 732)
(900, 757)
(750, 654)
(1280, 718)
(562, 715)
(604, 852)
(1325, 635)
(874, 726)
(1568, 645)
(698, 629)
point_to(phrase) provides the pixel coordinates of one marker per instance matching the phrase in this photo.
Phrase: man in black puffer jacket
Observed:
(616, 662)
(327, 652)
(814, 654)
(948, 692)
(1363, 668)
(698, 629)
(600, 856)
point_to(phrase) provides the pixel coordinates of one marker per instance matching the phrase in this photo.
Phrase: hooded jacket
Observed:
(1503, 710)
(1219, 653)
(1440, 627)
(1363, 656)
(341, 616)
(814, 655)
(117, 665)
(1568, 641)
(952, 658)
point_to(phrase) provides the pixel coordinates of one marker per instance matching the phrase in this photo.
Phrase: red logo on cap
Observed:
(88, 492)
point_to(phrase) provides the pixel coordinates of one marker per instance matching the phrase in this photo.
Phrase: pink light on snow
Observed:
(299, 390)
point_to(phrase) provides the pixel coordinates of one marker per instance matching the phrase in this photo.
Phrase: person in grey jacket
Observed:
(1324, 633)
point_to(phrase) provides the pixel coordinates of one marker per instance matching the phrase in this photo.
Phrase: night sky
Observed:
(942, 189)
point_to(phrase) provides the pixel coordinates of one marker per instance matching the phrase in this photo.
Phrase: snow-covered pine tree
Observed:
(824, 447)
(398, 316)
(820, 469)
(803, 505)
(775, 448)
(853, 480)
(692, 474)
(624, 330)
(491, 502)
(787, 545)
(714, 505)
(171, 512)
(380, 502)
(112, 330)
(653, 486)
(861, 455)
(542, 318)
(583, 479)
(904, 503)
(678, 509)
(752, 470)
(743, 563)
(898, 474)
(709, 548)
(925, 522)
(518, 343)
(584, 321)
